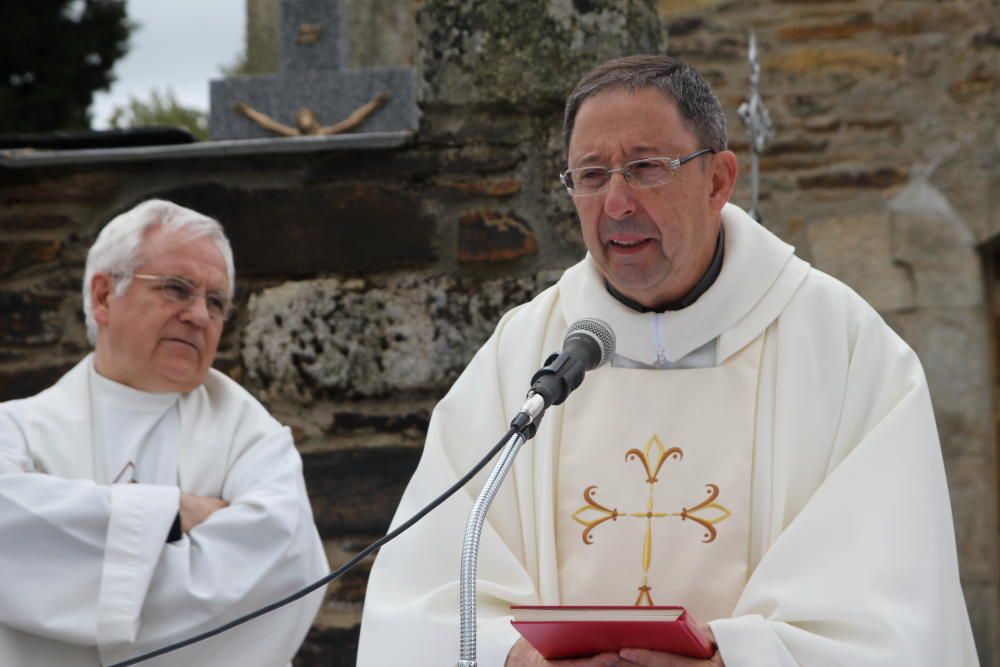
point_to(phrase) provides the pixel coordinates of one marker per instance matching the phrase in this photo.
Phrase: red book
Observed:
(580, 631)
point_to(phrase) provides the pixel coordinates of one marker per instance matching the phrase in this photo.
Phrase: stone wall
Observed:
(882, 173)
(367, 278)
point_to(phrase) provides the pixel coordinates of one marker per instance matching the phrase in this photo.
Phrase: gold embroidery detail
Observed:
(706, 513)
(644, 594)
(592, 505)
(643, 456)
(709, 524)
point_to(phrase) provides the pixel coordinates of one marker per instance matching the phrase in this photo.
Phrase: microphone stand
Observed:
(527, 419)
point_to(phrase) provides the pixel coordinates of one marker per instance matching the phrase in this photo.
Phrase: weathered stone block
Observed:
(930, 237)
(975, 516)
(336, 228)
(410, 423)
(25, 382)
(27, 221)
(357, 490)
(700, 46)
(18, 255)
(355, 338)
(486, 235)
(67, 186)
(952, 346)
(382, 32)
(981, 81)
(28, 319)
(858, 251)
(981, 600)
(850, 26)
(524, 53)
(818, 60)
(329, 647)
(346, 595)
(855, 177)
(670, 9)
(965, 174)
(488, 187)
(919, 18)
(263, 21)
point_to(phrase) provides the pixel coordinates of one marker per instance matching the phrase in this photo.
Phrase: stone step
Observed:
(357, 490)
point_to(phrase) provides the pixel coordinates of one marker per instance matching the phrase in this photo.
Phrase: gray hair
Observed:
(697, 103)
(117, 250)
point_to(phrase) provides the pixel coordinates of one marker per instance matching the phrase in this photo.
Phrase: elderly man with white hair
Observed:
(164, 499)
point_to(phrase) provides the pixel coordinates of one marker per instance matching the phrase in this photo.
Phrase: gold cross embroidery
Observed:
(593, 513)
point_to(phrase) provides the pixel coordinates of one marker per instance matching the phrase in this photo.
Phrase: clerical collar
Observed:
(123, 396)
(693, 294)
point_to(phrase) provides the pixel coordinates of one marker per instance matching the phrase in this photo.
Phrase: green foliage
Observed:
(160, 110)
(239, 67)
(53, 55)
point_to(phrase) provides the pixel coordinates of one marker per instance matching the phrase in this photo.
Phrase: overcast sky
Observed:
(179, 44)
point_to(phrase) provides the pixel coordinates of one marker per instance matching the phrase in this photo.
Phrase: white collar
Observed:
(759, 275)
(118, 395)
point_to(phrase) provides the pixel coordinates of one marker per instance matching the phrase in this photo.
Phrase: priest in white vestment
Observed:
(761, 449)
(145, 497)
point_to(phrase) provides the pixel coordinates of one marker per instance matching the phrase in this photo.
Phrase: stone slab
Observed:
(357, 490)
(313, 35)
(366, 141)
(331, 95)
(303, 232)
(858, 251)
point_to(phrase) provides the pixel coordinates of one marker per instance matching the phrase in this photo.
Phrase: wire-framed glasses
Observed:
(645, 173)
(183, 291)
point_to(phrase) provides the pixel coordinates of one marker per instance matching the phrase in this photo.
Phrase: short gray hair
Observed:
(695, 100)
(117, 248)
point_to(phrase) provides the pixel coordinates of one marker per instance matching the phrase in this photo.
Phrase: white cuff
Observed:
(749, 641)
(141, 516)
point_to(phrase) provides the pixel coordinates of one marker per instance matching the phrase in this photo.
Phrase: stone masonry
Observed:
(367, 278)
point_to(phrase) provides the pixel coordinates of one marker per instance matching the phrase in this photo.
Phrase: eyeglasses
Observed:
(645, 173)
(180, 290)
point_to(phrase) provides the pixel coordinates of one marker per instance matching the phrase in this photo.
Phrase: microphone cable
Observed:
(336, 574)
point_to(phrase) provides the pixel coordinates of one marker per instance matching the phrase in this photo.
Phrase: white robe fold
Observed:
(851, 548)
(86, 577)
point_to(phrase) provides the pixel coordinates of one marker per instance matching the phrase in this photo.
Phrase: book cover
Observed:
(580, 631)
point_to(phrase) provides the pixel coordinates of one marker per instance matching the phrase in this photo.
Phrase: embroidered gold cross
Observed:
(702, 513)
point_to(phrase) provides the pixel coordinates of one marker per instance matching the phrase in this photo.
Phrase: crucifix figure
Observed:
(758, 122)
(307, 124)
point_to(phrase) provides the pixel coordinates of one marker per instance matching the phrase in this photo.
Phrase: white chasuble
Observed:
(87, 576)
(803, 430)
(657, 510)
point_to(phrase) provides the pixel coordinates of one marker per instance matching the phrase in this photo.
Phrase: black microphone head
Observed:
(599, 332)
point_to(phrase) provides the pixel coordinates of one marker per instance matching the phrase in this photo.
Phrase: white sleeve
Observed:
(262, 547)
(55, 540)
(864, 571)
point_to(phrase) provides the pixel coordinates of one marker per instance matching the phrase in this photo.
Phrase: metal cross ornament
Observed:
(758, 121)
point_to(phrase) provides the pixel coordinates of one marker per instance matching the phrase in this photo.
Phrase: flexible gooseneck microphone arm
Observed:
(589, 343)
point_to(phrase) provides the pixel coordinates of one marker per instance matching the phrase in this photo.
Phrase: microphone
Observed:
(589, 344)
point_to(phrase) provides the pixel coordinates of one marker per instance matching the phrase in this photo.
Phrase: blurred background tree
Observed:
(160, 110)
(54, 54)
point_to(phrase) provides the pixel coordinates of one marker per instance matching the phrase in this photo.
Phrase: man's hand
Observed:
(195, 509)
(630, 657)
(523, 654)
